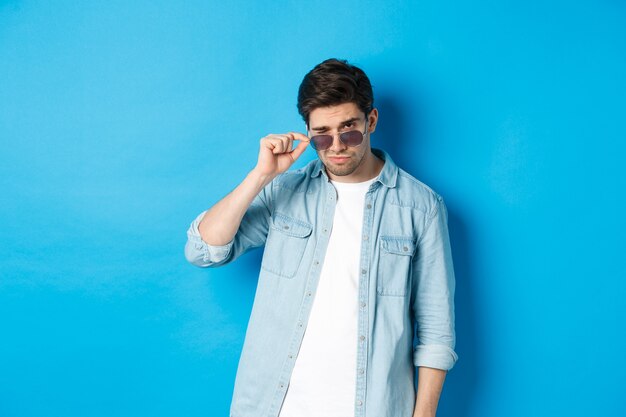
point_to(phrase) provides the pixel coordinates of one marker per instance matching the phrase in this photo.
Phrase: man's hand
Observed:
(276, 155)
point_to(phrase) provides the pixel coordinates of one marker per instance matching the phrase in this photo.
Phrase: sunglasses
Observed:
(350, 138)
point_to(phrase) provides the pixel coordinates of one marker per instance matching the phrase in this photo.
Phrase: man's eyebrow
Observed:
(345, 122)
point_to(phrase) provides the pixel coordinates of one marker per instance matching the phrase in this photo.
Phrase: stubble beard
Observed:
(344, 169)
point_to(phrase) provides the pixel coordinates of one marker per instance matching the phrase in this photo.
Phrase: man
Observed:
(357, 256)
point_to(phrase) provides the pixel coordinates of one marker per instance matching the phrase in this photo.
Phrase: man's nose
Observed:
(337, 145)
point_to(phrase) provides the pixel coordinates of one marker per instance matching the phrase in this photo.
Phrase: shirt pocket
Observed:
(394, 264)
(285, 245)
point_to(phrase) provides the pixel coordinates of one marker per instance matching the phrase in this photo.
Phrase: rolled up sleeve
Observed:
(198, 252)
(433, 293)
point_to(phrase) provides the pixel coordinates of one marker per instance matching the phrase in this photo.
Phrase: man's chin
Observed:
(340, 171)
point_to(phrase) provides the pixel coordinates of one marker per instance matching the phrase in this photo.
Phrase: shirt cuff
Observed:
(434, 356)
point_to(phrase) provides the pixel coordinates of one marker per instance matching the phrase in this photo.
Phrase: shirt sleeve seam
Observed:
(429, 222)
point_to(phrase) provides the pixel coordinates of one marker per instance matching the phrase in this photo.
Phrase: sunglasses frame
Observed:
(340, 137)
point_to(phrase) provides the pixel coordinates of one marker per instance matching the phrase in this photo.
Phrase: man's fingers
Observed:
(283, 143)
(288, 139)
(299, 136)
(304, 142)
(295, 154)
(278, 145)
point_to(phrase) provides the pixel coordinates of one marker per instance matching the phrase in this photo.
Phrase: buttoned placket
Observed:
(329, 206)
(363, 316)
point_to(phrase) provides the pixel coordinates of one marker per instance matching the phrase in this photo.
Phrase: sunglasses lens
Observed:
(321, 142)
(352, 138)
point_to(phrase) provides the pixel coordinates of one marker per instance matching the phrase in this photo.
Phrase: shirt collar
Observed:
(387, 176)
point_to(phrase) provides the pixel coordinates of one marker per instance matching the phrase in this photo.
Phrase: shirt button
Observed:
(405, 249)
(362, 338)
(361, 371)
(286, 227)
(309, 294)
(317, 262)
(369, 206)
(359, 403)
(325, 230)
(300, 324)
(290, 356)
(363, 271)
(363, 304)
(365, 237)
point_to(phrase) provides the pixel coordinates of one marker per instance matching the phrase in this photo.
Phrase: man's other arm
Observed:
(429, 386)
(433, 309)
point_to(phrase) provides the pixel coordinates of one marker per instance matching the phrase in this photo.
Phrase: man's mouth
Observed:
(338, 158)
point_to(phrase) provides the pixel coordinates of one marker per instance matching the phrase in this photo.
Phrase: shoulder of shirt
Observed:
(413, 192)
(410, 191)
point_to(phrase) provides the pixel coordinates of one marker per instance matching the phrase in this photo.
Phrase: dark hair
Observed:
(334, 82)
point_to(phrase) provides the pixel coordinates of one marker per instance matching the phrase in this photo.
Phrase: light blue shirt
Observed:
(406, 286)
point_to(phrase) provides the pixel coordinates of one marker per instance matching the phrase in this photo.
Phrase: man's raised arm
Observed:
(213, 237)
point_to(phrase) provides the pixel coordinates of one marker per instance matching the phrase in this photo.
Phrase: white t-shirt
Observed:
(323, 381)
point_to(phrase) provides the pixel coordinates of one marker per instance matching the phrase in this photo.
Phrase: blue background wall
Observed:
(120, 122)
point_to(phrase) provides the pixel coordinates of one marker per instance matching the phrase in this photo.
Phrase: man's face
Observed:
(333, 120)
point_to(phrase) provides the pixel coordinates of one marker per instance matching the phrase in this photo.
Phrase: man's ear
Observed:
(372, 120)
